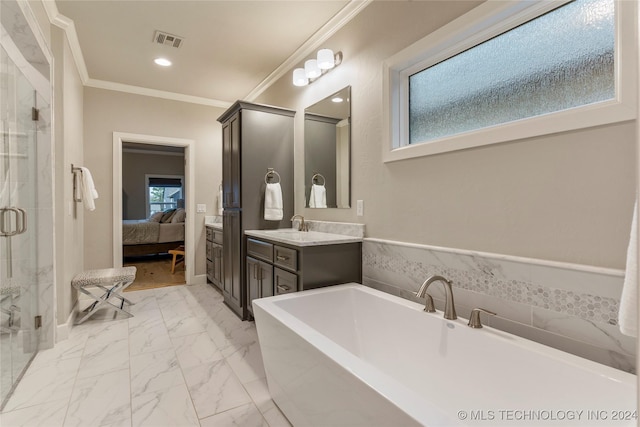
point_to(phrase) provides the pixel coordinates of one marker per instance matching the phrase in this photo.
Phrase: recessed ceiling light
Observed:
(162, 61)
(337, 99)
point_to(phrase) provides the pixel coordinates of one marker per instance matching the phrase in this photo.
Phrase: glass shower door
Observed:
(18, 244)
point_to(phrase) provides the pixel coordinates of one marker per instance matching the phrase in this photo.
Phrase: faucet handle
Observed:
(474, 319)
(429, 307)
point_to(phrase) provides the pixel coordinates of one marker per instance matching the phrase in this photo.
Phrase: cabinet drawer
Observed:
(260, 249)
(284, 281)
(285, 258)
(216, 236)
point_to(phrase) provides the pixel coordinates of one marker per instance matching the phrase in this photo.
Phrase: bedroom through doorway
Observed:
(151, 213)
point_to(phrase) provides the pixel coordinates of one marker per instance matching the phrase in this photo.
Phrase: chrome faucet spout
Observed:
(449, 307)
(302, 226)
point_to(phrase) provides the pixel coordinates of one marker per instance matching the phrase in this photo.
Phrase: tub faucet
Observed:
(449, 308)
(302, 226)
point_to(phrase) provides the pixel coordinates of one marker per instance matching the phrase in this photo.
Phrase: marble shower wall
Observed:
(570, 307)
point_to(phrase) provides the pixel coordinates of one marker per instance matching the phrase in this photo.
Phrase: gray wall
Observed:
(134, 168)
(106, 112)
(69, 215)
(562, 197)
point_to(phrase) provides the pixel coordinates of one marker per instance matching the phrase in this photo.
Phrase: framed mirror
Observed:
(327, 152)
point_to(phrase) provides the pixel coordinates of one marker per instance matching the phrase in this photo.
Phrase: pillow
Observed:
(179, 216)
(167, 215)
(156, 217)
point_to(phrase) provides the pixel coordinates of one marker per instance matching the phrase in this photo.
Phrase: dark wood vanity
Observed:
(274, 267)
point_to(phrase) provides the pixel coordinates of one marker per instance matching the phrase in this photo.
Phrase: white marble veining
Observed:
(294, 237)
(577, 302)
(154, 369)
(214, 221)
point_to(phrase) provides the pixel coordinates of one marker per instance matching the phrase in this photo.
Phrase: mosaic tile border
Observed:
(595, 308)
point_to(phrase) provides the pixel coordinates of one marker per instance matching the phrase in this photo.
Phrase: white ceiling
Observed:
(231, 50)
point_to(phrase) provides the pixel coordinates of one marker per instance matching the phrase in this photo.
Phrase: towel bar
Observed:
(74, 171)
(270, 174)
(314, 179)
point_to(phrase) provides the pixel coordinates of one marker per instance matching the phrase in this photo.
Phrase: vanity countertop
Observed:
(294, 237)
(216, 225)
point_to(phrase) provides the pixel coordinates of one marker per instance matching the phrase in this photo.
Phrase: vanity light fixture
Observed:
(164, 62)
(315, 68)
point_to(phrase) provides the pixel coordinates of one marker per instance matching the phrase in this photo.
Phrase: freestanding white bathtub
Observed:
(349, 355)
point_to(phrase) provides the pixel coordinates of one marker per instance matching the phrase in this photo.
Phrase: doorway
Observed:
(123, 209)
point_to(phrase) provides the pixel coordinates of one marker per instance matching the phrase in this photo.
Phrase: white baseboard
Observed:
(62, 330)
(200, 279)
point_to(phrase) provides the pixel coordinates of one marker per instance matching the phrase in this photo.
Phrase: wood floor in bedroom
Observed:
(154, 272)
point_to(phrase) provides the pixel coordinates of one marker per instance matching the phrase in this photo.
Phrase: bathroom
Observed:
(559, 204)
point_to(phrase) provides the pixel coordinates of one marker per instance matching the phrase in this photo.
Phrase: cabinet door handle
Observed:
(282, 257)
(283, 288)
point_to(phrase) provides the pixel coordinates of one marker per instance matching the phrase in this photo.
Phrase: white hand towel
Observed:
(273, 202)
(89, 192)
(318, 196)
(628, 314)
(220, 202)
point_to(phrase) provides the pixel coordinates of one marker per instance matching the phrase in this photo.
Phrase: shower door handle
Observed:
(20, 222)
(23, 221)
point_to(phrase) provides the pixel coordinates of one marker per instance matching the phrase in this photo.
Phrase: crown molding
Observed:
(343, 17)
(155, 93)
(67, 25)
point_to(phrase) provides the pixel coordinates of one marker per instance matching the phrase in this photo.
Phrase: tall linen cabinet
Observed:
(255, 139)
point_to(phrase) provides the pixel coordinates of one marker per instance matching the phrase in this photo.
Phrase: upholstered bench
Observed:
(110, 281)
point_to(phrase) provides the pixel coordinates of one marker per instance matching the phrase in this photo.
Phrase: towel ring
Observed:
(314, 179)
(270, 175)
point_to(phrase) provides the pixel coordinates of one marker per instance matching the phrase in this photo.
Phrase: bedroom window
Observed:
(512, 70)
(164, 192)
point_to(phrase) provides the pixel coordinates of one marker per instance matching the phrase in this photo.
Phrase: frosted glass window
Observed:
(560, 60)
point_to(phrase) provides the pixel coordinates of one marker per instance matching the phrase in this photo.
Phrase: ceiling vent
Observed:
(167, 39)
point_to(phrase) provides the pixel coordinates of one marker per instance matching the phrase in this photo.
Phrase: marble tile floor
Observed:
(184, 359)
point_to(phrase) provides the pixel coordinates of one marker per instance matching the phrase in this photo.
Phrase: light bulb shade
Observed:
(311, 69)
(299, 77)
(325, 59)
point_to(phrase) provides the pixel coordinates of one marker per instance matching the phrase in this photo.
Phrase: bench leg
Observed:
(104, 299)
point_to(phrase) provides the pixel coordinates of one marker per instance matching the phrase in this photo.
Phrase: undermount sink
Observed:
(302, 238)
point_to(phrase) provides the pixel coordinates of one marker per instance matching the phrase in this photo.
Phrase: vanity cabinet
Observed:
(255, 138)
(214, 256)
(276, 268)
(259, 276)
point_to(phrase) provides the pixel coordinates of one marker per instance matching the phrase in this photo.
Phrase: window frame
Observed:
(478, 25)
(146, 187)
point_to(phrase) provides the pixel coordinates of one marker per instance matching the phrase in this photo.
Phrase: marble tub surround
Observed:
(567, 306)
(345, 228)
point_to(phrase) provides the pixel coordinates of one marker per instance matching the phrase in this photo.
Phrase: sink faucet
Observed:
(302, 226)
(449, 308)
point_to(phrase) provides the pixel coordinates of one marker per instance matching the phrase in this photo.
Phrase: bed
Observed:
(159, 233)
